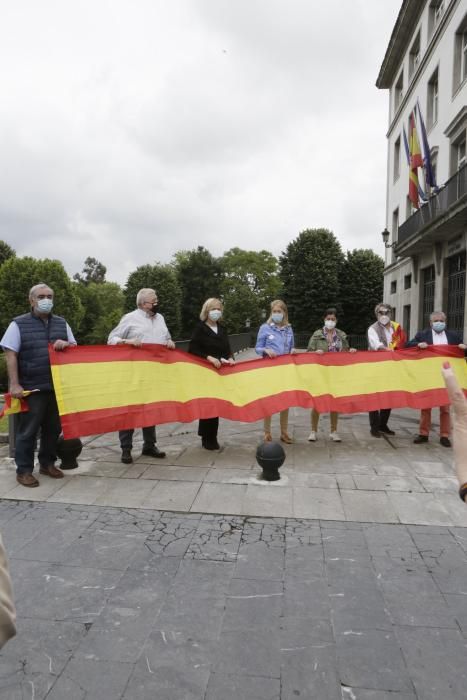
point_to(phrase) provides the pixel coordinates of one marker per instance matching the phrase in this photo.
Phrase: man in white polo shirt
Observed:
(143, 325)
(437, 334)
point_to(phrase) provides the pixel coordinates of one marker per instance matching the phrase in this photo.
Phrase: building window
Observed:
(414, 56)
(397, 158)
(407, 281)
(406, 311)
(434, 163)
(393, 289)
(458, 153)
(433, 99)
(409, 207)
(435, 15)
(428, 294)
(460, 54)
(399, 91)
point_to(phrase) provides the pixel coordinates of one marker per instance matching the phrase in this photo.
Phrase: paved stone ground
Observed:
(137, 604)
(189, 577)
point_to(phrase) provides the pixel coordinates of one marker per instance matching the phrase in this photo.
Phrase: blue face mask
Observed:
(277, 317)
(215, 315)
(45, 306)
(439, 326)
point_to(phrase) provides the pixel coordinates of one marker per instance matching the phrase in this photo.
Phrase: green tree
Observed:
(361, 289)
(103, 305)
(18, 275)
(6, 252)
(310, 270)
(199, 276)
(250, 282)
(93, 271)
(162, 278)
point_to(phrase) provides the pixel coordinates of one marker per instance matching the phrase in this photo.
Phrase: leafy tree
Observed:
(163, 279)
(199, 276)
(361, 289)
(310, 270)
(6, 252)
(18, 275)
(103, 305)
(250, 282)
(93, 271)
(241, 306)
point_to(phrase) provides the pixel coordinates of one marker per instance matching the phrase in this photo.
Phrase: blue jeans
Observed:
(43, 415)
(126, 437)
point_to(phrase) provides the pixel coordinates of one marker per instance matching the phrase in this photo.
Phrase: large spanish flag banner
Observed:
(105, 388)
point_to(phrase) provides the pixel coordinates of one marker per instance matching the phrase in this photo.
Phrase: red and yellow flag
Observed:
(416, 161)
(102, 389)
(14, 405)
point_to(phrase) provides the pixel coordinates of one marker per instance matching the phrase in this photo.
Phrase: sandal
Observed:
(286, 438)
(267, 437)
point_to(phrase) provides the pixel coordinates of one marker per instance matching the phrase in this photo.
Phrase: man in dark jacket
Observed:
(437, 334)
(26, 345)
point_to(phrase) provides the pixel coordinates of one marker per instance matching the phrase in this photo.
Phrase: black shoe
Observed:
(153, 452)
(126, 456)
(420, 438)
(210, 444)
(445, 442)
(375, 432)
(386, 430)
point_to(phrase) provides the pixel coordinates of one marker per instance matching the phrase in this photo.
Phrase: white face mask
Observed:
(330, 324)
(215, 315)
(45, 306)
(384, 320)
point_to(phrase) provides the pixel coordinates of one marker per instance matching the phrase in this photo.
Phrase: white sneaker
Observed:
(312, 436)
(335, 437)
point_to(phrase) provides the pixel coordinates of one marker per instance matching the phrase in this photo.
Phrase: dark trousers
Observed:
(379, 419)
(208, 427)
(126, 437)
(43, 415)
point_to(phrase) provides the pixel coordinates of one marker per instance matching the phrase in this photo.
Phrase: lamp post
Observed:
(385, 235)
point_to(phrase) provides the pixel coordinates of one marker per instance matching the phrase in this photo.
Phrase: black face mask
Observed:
(155, 308)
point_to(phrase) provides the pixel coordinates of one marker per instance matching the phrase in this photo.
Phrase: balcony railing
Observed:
(454, 189)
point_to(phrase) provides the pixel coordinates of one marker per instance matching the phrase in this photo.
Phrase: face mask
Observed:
(439, 326)
(45, 306)
(155, 308)
(215, 315)
(384, 320)
(330, 324)
(277, 316)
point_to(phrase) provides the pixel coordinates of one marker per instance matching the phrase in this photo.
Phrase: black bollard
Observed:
(270, 457)
(68, 451)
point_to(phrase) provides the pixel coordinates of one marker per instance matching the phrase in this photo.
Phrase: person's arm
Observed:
(62, 344)
(7, 606)
(415, 341)
(312, 343)
(292, 341)
(16, 389)
(117, 336)
(459, 406)
(345, 342)
(261, 340)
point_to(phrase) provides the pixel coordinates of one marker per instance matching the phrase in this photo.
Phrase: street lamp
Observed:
(385, 235)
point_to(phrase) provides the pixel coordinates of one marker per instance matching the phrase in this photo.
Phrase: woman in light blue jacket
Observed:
(275, 337)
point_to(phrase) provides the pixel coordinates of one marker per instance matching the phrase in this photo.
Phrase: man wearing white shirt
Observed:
(143, 325)
(436, 334)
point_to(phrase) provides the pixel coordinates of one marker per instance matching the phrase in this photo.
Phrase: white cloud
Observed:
(132, 130)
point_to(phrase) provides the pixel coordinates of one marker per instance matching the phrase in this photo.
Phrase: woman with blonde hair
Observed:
(275, 338)
(211, 342)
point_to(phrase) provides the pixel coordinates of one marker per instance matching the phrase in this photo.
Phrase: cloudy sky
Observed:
(130, 129)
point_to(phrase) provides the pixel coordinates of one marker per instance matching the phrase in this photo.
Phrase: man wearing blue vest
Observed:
(26, 345)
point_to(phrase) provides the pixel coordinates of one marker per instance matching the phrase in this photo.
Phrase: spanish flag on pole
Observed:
(416, 161)
(102, 389)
